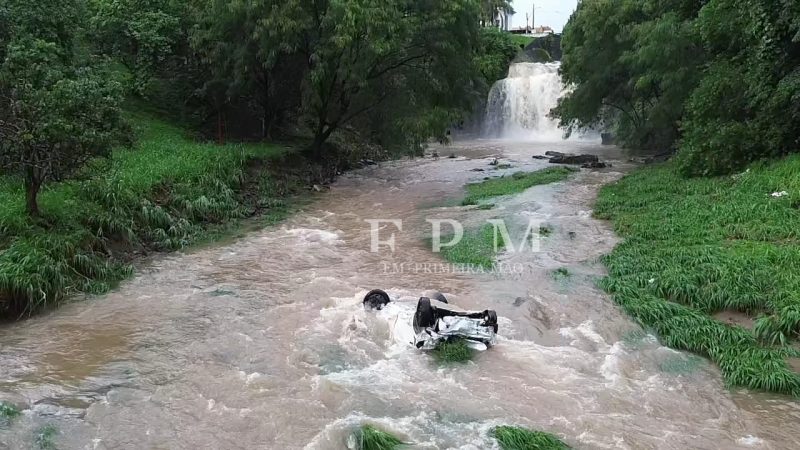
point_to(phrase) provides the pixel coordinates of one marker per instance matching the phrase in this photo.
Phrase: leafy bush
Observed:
(496, 51)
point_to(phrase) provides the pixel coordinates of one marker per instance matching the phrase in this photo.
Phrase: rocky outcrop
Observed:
(568, 158)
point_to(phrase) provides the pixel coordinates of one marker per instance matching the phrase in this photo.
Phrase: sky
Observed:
(554, 13)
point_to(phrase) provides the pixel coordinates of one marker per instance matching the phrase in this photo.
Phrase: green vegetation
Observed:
(561, 273)
(517, 438)
(370, 438)
(680, 364)
(80, 198)
(476, 248)
(694, 247)
(516, 183)
(58, 110)
(160, 195)
(717, 80)
(521, 40)
(45, 437)
(497, 50)
(8, 412)
(453, 351)
(545, 230)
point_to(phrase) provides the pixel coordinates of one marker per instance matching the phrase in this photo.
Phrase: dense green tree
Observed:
(362, 53)
(716, 80)
(141, 34)
(747, 106)
(251, 50)
(56, 112)
(495, 52)
(632, 65)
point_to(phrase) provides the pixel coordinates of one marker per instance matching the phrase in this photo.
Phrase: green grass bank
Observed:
(697, 247)
(514, 184)
(165, 193)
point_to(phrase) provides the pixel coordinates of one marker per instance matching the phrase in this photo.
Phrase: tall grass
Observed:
(476, 248)
(514, 184)
(452, 351)
(45, 437)
(8, 412)
(517, 438)
(160, 195)
(370, 438)
(694, 247)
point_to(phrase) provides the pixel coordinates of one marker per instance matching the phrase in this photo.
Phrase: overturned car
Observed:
(435, 321)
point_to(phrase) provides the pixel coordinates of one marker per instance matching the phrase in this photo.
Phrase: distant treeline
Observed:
(718, 81)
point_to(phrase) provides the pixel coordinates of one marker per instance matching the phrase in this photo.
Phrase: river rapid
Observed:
(263, 343)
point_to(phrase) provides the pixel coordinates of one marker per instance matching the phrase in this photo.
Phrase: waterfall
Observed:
(518, 105)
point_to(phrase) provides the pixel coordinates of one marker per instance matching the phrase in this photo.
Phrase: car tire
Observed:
(491, 319)
(376, 299)
(425, 316)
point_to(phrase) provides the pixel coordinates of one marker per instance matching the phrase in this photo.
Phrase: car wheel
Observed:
(425, 316)
(376, 299)
(491, 319)
(440, 297)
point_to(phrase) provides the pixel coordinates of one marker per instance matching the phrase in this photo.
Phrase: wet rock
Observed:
(435, 155)
(540, 157)
(368, 162)
(452, 156)
(478, 170)
(608, 139)
(595, 165)
(495, 162)
(568, 158)
(572, 235)
(519, 301)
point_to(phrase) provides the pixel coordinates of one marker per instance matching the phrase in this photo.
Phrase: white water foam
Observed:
(519, 105)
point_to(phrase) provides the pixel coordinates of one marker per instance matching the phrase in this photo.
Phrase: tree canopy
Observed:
(715, 80)
(57, 111)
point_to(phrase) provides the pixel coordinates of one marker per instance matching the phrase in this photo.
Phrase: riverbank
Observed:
(711, 266)
(163, 194)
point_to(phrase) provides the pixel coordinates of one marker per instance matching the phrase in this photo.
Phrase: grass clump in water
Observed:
(453, 351)
(477, 248)
(370, 438)
(8, 412)
(517, 438)
(695, 247)
(514, 184)
(45, 437)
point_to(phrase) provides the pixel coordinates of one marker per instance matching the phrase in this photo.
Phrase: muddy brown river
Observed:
(262, 343)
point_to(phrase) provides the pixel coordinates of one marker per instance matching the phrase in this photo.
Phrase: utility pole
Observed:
(533, 18)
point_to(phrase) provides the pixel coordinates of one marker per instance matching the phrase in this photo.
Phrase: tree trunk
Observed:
(320, 137)
(220, 133)
(32, 185)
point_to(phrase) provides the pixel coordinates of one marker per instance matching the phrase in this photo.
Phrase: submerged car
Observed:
(435, 321)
